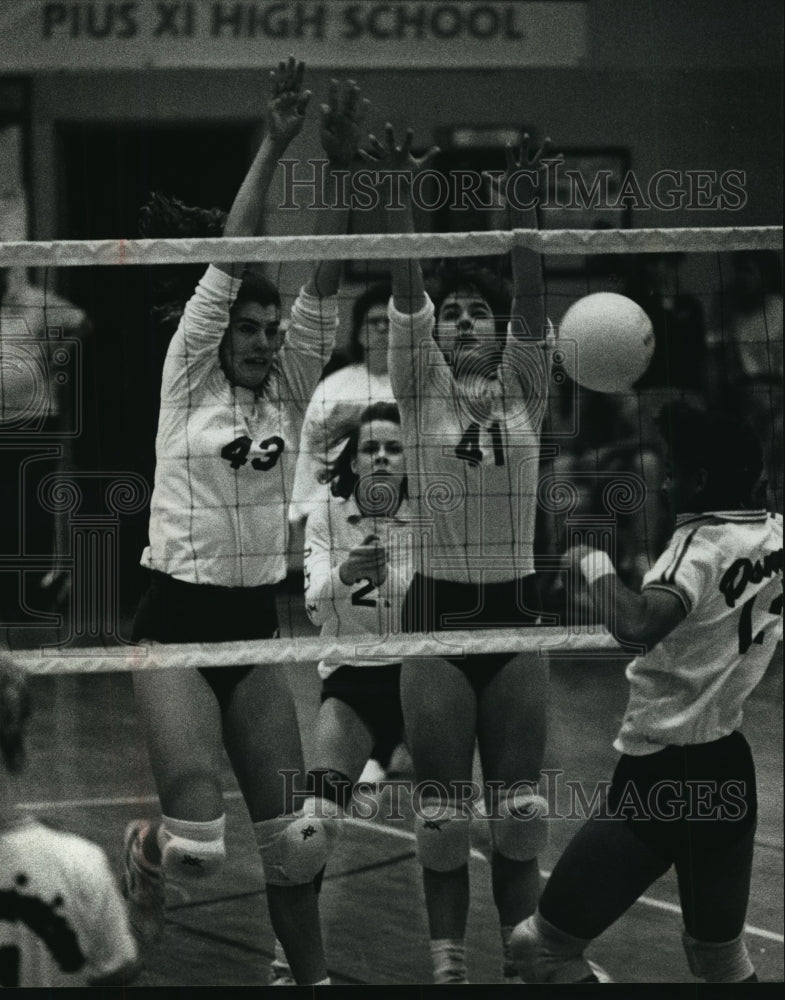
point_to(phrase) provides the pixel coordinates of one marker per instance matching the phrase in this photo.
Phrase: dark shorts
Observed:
(173, 610)
(374, 694)
(440, 606)
(683, 800)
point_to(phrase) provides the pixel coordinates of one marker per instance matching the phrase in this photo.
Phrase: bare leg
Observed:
(343, 741)
(511, 733)
(183, 727)
(262, 739)
(440, 712)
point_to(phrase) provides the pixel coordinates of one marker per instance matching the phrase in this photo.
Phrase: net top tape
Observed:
(71, 253)
(309, 650)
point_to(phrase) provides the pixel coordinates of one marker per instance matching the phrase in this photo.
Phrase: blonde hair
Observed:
(14, 711)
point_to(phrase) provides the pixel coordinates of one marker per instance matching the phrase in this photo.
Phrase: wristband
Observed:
(596, 565)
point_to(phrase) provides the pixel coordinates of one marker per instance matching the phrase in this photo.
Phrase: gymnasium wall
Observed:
(684, 84)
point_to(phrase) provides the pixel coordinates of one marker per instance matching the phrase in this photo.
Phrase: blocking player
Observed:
(683, 793)
(233, 397)
(62, 919)
(469, 368)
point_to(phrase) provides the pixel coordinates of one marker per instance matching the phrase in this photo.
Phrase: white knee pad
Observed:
(295, 848)
(520, 832)
(442, 836)
(192, 850)
(718, 962)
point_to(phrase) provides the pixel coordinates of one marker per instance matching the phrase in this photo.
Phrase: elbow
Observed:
(636, 632)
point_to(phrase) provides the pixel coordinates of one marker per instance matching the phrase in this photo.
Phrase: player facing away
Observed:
(62, 919)
(233, 396)
(470, 372)
(709, 614)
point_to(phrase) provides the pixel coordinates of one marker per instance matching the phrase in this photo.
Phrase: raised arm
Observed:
(528, 304)
(283, 121)
(340, 130)
(397, 164)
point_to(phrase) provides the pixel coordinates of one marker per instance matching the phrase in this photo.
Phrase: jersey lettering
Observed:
(275, 447)
(744, 571)
(469, 450)
(746, 638)
(236, 452)
(358, 596)
(45, 922)
(498, 446)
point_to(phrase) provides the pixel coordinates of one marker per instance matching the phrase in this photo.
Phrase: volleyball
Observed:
(614, 342)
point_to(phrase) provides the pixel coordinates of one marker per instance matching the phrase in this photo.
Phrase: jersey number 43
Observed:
(236, 452)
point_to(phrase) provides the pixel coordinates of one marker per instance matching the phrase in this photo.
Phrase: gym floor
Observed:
(88, 771)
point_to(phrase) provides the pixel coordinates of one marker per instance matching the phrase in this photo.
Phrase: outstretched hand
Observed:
(390, 158)
(526, 161)
(287, 105)
(342, 120)
(528, 158)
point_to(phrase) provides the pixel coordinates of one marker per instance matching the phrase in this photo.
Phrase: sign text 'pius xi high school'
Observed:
(126, 34)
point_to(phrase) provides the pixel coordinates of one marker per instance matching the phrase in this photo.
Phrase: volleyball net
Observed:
(79, 413)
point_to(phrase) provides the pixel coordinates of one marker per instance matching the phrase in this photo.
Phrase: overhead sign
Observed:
(176, 34)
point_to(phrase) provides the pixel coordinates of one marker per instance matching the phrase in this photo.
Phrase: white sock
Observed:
(190, 830)
(279, 958)
(553, 955)
(449, 960)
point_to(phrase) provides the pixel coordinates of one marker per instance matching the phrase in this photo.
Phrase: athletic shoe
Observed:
(400, 762)
(372, 774)
(599, 975)
(536, 965)
(143, 886)
(280, 973)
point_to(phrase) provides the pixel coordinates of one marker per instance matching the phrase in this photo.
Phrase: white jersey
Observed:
(474, 479)
(726, 568)
(334, 528)
(225, 457)
(62, 920)
(352, 385)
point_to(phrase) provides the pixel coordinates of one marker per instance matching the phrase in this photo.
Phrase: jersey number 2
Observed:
(236, 453)
(359, 599)
(746, 638)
